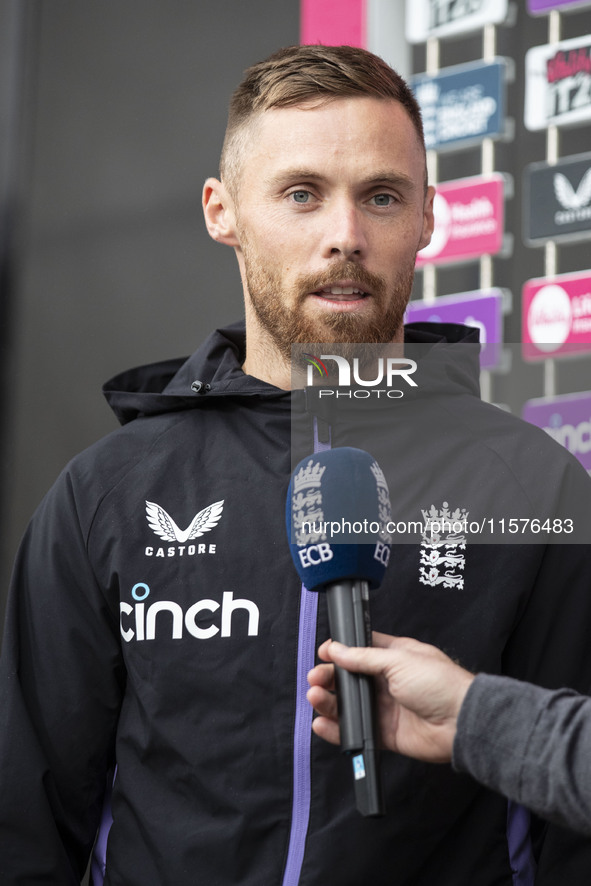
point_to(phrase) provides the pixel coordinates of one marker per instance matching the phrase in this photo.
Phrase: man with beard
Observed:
(154, 676)
(324, 199)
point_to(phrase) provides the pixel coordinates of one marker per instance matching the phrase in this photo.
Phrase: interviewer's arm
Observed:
(529, 743)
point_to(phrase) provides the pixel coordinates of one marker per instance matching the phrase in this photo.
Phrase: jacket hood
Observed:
(215, 370)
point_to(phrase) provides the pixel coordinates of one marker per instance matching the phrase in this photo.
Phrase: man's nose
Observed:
(345, 235)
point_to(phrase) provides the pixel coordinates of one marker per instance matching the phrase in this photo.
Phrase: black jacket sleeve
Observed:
(61, 683)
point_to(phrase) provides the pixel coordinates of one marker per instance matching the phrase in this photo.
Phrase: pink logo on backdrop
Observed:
(469, 220)
(557, 316)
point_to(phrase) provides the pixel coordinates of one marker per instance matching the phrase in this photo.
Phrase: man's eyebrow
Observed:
(377, 178)
(297, 174)
(387, 177)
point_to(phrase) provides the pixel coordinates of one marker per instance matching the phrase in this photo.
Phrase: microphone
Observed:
(337, 511)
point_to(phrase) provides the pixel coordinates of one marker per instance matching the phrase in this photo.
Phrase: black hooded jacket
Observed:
(158, 638)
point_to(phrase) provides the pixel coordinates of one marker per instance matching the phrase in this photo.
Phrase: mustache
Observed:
(362, 278)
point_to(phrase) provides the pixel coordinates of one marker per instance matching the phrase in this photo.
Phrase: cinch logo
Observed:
(387, 370)
(575, 438)
(165, 528)
(166, 618)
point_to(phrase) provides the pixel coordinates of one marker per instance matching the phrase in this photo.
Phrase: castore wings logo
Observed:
(164, 526)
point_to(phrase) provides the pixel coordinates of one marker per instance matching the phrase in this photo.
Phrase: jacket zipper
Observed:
(302, 739)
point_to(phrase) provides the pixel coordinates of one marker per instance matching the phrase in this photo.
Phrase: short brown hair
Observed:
(298, 74)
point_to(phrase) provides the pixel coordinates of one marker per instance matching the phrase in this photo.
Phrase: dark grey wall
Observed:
(10, 89)
(124, 108)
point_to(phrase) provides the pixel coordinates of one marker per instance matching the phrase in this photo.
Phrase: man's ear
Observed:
(219, 212)
(428, 218)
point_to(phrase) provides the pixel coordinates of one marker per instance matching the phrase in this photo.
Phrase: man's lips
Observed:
(341, 292)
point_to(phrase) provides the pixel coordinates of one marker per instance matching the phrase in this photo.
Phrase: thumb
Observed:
(358, 659)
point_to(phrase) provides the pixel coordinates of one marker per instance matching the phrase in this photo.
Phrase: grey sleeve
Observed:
(531, 744)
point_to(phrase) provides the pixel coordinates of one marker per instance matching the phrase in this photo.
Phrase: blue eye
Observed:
(382, 199)
(300, 196)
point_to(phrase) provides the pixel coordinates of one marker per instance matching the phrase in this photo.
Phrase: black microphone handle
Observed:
(349, 620)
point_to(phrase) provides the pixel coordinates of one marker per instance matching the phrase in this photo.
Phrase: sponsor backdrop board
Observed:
(558, 84)
(469, 220)
(372, 24)
(567, 419)
(557, 316)
(333, 22)
(538, 7)
(442, 18)
(462, 105)
(557, 200)
(482, 309)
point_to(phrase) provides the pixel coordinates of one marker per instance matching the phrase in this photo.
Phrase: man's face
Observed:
(330, 212)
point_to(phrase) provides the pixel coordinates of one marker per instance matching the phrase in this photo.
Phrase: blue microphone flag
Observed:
(337, 515)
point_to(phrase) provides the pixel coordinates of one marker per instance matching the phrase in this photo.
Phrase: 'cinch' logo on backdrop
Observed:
(566, 418)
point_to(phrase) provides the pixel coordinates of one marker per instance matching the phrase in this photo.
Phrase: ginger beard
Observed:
(282, 311)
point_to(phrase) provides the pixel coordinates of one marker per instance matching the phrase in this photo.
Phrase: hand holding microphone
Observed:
(337, 510)
(419, 694)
